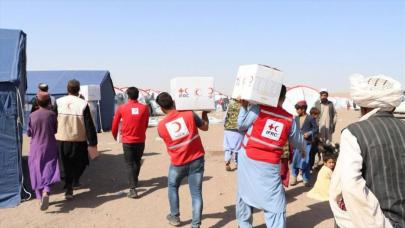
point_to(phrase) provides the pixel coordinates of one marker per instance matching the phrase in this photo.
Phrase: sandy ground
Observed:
(102, 202)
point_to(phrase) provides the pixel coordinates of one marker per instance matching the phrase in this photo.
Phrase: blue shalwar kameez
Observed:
(259, 183)
(302, 161)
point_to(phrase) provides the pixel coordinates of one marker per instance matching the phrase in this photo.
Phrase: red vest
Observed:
(180, 133)
(268, 134)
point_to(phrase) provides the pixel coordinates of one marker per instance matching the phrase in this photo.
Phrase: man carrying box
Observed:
(259, 183)
(232, 137)
(135, 119)
(179, 131)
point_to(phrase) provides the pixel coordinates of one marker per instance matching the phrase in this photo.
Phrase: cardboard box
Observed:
(193, 93)
(258, 84)
(90, 92)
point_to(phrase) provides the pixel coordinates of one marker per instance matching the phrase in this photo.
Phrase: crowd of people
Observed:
(365, 189)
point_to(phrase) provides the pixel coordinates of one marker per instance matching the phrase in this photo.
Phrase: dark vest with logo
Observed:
(382, 142)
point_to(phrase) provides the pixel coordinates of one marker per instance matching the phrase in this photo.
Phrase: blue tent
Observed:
(12, 90)
(57, 82)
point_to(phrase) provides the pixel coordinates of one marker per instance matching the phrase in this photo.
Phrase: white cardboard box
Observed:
(193, 93)
(258, 84)
(90, 92)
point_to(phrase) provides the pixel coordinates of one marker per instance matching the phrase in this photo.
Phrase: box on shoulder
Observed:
(90, 92)
(193, 93)
(259, 84)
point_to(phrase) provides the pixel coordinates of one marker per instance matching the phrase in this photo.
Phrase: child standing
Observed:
(309, 128)
(43, 153)
(314, 112)
(321, 187)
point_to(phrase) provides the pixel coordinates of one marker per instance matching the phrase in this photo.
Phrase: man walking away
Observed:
(232, 137)
(135, 119)
(42, 87)
(75, 132)
(179, 131)
(43, 152)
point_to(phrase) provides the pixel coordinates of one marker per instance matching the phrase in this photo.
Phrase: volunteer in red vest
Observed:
(259, 183)
(135, 119)
(179, 131)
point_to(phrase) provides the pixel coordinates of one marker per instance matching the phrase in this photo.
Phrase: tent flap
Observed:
(12, 91)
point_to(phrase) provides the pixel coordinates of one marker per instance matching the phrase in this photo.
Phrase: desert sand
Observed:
(102, 201)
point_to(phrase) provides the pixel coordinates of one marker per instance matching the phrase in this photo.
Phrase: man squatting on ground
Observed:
(179, 131)
(259, 182)
(135, 119)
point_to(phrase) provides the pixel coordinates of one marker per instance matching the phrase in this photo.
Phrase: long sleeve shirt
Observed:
(135, 120)
(91, 132)
(309, 126)
(247, 117)
(362, 207)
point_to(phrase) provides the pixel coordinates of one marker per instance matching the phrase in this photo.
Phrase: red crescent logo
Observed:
(178, 126)
(211, 91)
(275, 128)
(185, 91)
(68, 106)
(197, 92)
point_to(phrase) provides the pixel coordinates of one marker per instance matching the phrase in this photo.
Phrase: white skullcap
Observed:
(323, 90)
(378, 91)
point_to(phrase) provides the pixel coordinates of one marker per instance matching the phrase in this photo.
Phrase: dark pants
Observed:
(133, 153)
(313, 153)
(74, 159)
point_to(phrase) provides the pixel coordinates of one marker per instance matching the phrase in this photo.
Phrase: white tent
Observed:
(299, 93)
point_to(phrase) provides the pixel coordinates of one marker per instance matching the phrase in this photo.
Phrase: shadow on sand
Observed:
(104, 180)
(317, 213)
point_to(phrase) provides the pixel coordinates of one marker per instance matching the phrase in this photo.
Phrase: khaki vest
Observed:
(70, 119)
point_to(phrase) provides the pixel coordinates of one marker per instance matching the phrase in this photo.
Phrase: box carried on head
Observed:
(259, 84)
(193, 93)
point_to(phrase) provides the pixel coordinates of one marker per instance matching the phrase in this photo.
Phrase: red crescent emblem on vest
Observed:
(178, 126)
(197, 92)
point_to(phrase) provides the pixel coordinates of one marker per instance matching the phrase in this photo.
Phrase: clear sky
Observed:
(145, 43)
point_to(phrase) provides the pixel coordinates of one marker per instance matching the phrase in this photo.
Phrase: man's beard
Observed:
(324, 100)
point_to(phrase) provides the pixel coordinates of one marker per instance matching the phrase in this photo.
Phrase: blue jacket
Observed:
(308, 126)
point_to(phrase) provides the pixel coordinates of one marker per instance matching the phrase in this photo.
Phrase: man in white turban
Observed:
(368, 186)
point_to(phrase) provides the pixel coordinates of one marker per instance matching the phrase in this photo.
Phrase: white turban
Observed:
(378, 91)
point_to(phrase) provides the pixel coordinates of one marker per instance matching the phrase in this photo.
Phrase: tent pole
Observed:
(99, 115)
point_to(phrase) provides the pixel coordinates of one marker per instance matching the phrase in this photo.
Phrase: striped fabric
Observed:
(382, 142)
